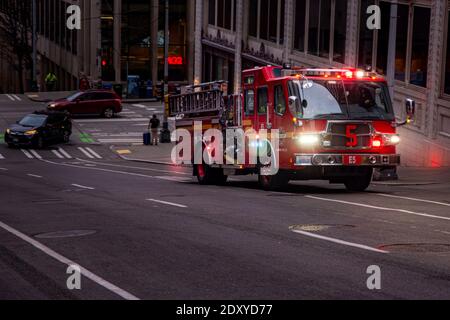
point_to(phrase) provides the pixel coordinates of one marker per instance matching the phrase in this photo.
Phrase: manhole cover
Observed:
(417, 247)
(65, 234)
(318, 227)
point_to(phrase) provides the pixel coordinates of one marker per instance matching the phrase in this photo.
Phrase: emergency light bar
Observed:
(332, 73)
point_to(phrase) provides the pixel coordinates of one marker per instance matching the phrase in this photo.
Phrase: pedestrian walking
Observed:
(50, 81)
(153, 127)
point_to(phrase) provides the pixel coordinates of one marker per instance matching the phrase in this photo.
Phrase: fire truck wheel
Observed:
(207, 175)
(360, 183)
(275, 182)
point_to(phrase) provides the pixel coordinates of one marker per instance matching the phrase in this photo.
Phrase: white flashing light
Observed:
(360, 74)
(309, 139)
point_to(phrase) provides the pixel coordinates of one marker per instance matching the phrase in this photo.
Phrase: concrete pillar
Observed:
(245, 15)
(288, 29)
(238, 46)
(390, 74)
(117, 39)
(435, 63)
(154, 38)
(351, 43)
(198, 41)
(190, 40)
(95, 39)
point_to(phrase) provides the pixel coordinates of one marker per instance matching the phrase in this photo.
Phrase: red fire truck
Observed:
(333, 124)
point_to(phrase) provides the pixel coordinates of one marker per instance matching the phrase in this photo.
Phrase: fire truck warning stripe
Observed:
(381, 208)
(342, 242)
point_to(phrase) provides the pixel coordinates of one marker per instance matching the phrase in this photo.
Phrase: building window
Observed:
(300, 10)
(447, 63)
(419, 50)
(383, 38)
(266, 20)
(366, 37)
(340, 30)
(221, 13)
(319, 28)
(401, 42)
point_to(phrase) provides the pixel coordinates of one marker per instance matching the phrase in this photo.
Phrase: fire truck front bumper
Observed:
(372, 160)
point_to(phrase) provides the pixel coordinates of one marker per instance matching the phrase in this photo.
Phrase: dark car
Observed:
(92, 102)
(40, 129)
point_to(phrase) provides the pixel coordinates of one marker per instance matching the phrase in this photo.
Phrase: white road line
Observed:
(17, 97)
(3, 169)
(34, 153)
(56, 153)
(82, 187)
(174, 179)
(88, 274)
(414, 199)
(1, 157)
(131, 140)
(27, 154)
(95, 154)
(381, 208)
(86, 153)
(128, 112)
(345, 243)
(139, 106)
(168, 203)
(34, 176)
(10, 97)
(64, 153)
(110, 120)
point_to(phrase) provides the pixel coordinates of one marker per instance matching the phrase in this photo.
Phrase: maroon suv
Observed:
(98, 102)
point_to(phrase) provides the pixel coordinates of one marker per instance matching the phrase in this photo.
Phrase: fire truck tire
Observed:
(275, 182)
(360, 183)
(208, 176)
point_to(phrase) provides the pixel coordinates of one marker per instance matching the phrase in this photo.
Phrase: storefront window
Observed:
(383, 38)
(365, 37)
(253, 18)
(340, 30)
(401, 42)
(419, 50)
(107, 29)
(447, 64)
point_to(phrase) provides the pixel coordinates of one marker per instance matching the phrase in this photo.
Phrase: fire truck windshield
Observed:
(342, 100)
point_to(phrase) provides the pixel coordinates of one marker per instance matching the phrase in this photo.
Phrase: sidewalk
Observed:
(50, 96)
(161, 154)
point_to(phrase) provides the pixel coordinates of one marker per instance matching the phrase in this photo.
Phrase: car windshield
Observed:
(74, 96)
(343, 100)
(33, 121)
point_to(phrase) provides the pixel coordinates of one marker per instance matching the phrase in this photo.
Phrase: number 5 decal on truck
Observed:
(351, 136)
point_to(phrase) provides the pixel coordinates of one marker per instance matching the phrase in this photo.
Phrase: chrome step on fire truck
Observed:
(333, 124)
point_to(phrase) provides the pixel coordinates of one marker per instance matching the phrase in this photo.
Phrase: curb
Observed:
(141, 160)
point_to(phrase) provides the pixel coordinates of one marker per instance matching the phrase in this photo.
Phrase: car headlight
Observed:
(309, 139)
(52, 105)
(8, 131)
(30, 133)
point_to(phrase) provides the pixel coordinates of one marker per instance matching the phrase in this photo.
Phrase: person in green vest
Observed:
(50, 81)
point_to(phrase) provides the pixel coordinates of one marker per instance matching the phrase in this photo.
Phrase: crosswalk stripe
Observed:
(56, 153)
(34, 153)
(95, 154)
(27, 154)
(17, 97)
(1, 157)
(64, 153)
(10, 97)
(86, 153)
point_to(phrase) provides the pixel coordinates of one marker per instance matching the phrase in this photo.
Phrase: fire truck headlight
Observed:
(309, 139)
(392, 139)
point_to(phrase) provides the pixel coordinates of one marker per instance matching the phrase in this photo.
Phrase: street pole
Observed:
(34, 40)
(165, 133)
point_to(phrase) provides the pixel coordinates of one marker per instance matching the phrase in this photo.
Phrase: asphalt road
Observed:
(150, 232)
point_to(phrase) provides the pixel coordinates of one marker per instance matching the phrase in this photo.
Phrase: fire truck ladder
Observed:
(198, 99)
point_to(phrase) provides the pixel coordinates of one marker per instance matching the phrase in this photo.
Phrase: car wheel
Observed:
(360, 183)
(66, 136)
(108, 113)
(208, 176)
(39, 143)
(11, 146)
(273, 182)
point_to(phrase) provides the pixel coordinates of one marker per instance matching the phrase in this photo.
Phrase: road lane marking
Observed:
(88, 274)
(381, 208)
(168, 203)
(82, 187)
(27, 154)
(130, 140)
(64, 153)
(3, 169)
(1, 157)
(338, 241)
(17, 97)
(10, 97)
(414, 199)
(34, 153)
(86, 153)
(34, 176)
(131, 167)
(95, 154)
(56, 153)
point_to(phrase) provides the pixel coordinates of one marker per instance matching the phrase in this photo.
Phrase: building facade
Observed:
(412, 49)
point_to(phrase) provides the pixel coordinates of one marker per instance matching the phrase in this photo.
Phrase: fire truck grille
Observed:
(339, 137)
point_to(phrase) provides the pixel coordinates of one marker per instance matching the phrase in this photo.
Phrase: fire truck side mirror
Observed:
(410, 105)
